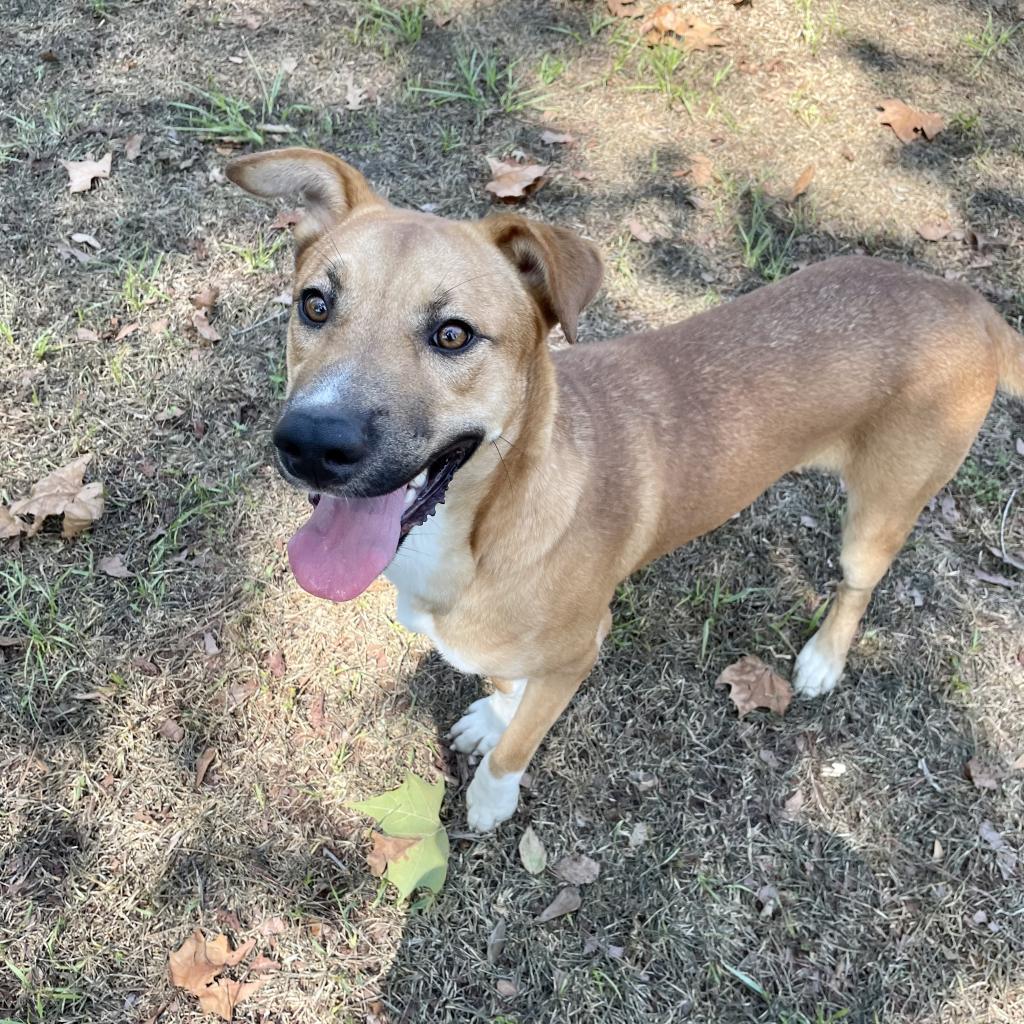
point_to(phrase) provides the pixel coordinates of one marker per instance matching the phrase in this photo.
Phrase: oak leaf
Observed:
(667, 22)
(62, 492)
(195, 967)
(983, 774)
(205, 330)
(909, 124)
(81, 173)
(514, 180)
(577, 869)
(113, 565)
(10, 526)
(754, 685)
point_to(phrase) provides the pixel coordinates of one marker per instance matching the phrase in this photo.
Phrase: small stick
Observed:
(239, 331)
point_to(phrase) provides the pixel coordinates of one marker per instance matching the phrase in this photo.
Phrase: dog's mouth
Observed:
(347, 542)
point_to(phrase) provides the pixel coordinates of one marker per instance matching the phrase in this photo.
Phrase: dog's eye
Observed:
(452, 336)
(315, 307)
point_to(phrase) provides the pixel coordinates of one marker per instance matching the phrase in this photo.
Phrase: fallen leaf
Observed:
(550, 138)
(802, 183)
(386, 850)
(566, 902)
(276, 663)
(113, 565)
(83, 238)
(355, 96)
(81, 173)
(995, 579)
(10, 526)
(934, 230)
(133, 146)
(411, 812)
(85, 334)
(70, 252)
(62, 492)
(754, 685)
(496, 941)
(170, 730)
(203, 327)
(195, 965)
(229, 919)
(206, 298)
(316, 714)
(1006, 856)
(792, 807)
(126, 330)
(648, 234)
(203, 762)
(210, 647)
(577, 869)
(639, 834)
(532, 852)
(512, 180)
(285, 219)
(809, 521)
(700, 171)
(949, 509)
(667, 21)
(506, 988)
(909, 124)
(983, 774)
(236, 694)
(625, 8)
(145, 666)
(273, 926)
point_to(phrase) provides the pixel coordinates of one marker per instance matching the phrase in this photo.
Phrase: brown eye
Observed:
(452, 336)
(315, 307)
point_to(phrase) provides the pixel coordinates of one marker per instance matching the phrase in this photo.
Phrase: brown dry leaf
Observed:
(203, 762)
(934, 230)
(317, 712)
(275, 663)
(86, 334)
(983, 774)
(286, 219)
(223, 997)
(646, 234)
(667, 21)
(387, 849)
(577, 869)
(754, 685)
(63, 492)
(355, 96)
(9, 525)
(513, 181)
(566, 902)
(113, 565)
(126, 330)
(625, 8)
(263, 964)
(203, 326)
(170, 730)
(195, 965)
(909, 124)
(700, 171)
(236, 694)
(550, 138)
(802, 183)
(206, 298)
(82, 172)
(133, 146)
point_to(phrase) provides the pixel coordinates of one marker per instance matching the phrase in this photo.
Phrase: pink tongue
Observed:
(346, 544)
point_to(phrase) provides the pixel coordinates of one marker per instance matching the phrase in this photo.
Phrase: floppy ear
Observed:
(329, 187)
(561, 271)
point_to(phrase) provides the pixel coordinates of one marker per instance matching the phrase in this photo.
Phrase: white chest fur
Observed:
(430, 569)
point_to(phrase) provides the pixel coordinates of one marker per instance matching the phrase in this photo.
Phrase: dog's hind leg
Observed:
(891, 475)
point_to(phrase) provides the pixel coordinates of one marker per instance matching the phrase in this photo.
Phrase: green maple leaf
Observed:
(410, 813)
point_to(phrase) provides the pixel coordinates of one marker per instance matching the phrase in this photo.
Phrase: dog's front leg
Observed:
(494, 792)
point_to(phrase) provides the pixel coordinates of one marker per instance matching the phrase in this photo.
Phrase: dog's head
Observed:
(411, 341)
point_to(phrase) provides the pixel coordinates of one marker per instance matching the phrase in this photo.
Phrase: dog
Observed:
(506, 490)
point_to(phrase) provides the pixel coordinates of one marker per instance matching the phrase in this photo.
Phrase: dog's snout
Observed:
(321, 449)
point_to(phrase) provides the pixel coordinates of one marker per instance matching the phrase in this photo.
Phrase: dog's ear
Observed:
(561, 271)
(329, 187)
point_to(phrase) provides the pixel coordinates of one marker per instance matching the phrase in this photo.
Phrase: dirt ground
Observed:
(829, 865)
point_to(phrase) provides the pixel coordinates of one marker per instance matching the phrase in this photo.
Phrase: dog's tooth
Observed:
(420, 479)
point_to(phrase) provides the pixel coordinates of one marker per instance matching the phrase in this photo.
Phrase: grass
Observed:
(765, 247)
(485, 81)
(378, 23)
(261, 256)
(989, 41)
(140, 283)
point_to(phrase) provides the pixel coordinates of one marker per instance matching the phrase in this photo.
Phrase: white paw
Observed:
(480, 728)
(491, 800)
(815, 671)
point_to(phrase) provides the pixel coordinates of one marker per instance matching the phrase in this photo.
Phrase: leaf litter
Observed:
(62, 492)
(511, 181)
(752, 684)
(82, 173)
(196, 967)
(532, 852)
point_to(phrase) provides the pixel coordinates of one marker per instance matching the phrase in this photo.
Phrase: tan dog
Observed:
(418, 372)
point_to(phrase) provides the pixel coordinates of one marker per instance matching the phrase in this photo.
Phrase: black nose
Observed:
(321, 449)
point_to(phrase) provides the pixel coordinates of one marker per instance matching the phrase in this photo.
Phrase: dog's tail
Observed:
(1009, 354)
